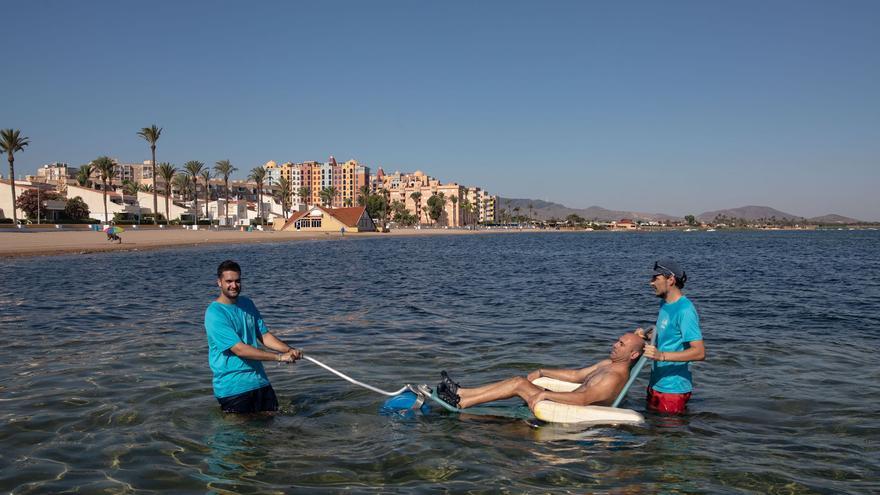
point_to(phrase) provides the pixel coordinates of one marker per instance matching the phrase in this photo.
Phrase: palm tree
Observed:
(151, 135)
(530, 212)
(194, 169)
(386, 201)
(224, 169)
(327, 195)
(107, 172)
(130, 188)
(12, 141)
(304, 194)
(364, 193)
(181, 182)
(441, 203)
(333, 192)
(417, 197)
(454, 200)
(206, 176)
(84, 175)
(285, 191)
(465, 210)
(166, 172)
(258, 175)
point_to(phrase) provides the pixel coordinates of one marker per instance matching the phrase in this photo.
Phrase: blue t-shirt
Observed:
(227, 325)
(677, 323)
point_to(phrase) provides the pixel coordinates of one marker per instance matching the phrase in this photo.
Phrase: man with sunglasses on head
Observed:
(679, 341)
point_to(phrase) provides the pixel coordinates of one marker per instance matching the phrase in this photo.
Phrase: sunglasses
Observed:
(658, 266)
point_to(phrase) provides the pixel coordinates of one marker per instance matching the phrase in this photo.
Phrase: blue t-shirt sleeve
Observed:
(690, 325)
(252, 310)
(261, 325)
(221, 333)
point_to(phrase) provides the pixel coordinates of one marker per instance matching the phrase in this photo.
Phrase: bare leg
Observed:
(517, 386)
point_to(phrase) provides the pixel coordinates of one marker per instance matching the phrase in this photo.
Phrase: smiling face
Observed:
(230, 284)
(627, 348)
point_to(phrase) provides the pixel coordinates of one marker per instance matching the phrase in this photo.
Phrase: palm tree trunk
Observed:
(167, 215)
(12, 187)
(207, 192)
(226, 192)
(195, 202)
(104, 190)
(155, 183)
(260, 204)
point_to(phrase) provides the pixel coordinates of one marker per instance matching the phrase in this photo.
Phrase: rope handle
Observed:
(352, 380)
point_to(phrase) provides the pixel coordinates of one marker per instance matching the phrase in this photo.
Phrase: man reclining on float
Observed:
(600, 383)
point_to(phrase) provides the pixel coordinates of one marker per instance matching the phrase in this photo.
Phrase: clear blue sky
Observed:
(673, 107)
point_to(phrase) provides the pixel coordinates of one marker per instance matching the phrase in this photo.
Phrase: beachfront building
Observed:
(61, 173)
(348, 180)
(413, 190)
(56, 172)
(273, 172)
(624, 224)
(312, 177)
(176, 210)
(117, 203)
(324, 219)
(6, 198)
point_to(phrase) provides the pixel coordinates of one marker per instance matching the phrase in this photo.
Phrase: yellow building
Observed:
(322, 219)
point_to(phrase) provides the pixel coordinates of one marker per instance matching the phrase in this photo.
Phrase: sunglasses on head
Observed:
(658, 266)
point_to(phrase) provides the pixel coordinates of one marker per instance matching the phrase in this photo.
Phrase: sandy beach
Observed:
(39, 242)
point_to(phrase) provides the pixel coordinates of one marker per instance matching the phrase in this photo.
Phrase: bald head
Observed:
(627, 348)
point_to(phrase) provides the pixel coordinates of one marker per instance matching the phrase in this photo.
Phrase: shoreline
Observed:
(44, 242)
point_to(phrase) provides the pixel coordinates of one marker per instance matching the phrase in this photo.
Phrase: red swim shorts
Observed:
(667, 403)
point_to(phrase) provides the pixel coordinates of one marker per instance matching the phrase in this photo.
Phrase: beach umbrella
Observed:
(113, 229)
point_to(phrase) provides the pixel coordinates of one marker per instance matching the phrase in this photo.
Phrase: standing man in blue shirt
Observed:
(679, 341)
(236, 333)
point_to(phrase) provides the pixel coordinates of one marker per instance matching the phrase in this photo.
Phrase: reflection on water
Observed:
(104, 383)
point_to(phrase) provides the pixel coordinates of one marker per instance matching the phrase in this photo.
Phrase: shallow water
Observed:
(104, 383)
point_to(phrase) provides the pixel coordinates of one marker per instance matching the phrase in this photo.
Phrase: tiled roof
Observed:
(296, 216)
(348, 216)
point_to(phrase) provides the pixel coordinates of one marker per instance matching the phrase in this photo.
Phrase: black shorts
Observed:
(258, 400)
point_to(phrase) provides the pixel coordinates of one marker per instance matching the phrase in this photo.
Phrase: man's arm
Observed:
(696, 351)
(601, 390)
(276, 344)
(566, 375)
(246, 351)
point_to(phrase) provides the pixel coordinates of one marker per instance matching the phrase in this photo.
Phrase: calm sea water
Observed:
(104, 383)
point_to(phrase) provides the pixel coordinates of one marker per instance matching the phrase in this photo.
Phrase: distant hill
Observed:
(543, 210)
(748, 213)
(834, 218)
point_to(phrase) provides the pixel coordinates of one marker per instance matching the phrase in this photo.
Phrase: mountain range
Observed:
(544, 210)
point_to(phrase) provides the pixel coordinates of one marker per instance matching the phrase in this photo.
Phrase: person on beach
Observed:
(236, 332)
(600, 383)
(679, 341)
